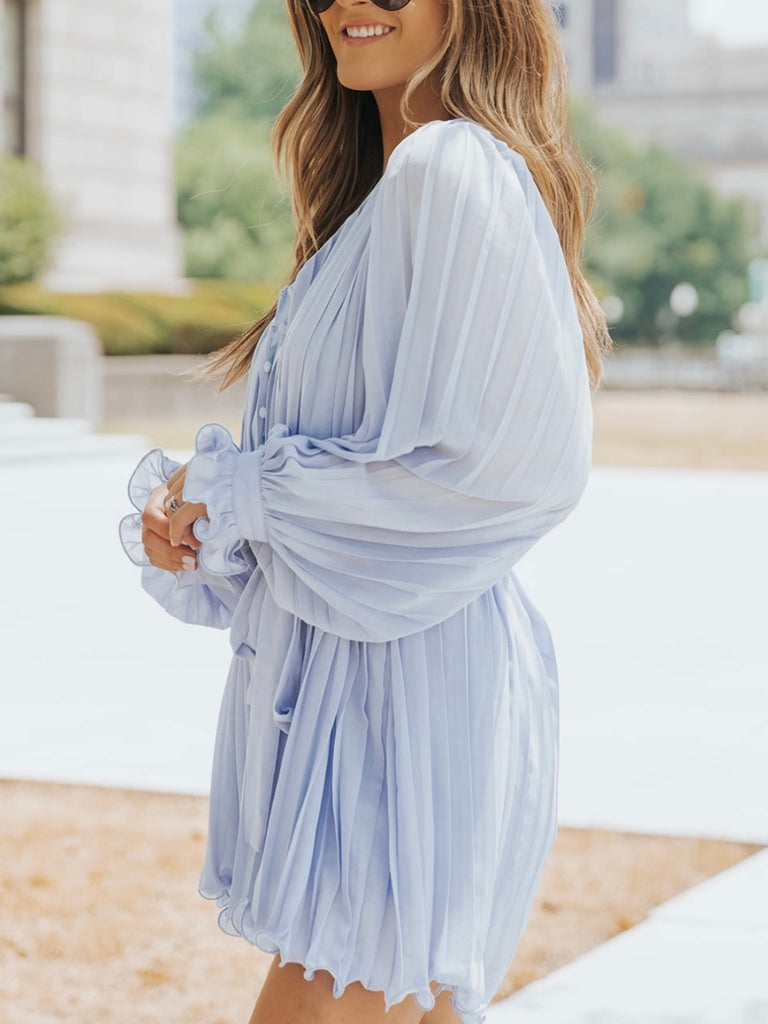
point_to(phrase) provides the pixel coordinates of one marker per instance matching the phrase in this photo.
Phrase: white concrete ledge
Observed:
(54, 365)
(698, 959)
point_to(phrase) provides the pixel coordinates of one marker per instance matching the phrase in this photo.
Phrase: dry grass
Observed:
(697, 430)
(102, 921)
(173, 433)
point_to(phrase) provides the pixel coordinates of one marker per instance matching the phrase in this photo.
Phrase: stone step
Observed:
(11, 411)
(41, 427)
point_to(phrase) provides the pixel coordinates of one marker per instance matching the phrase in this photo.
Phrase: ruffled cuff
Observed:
(194, 597)
(154, 469)
(228, 482)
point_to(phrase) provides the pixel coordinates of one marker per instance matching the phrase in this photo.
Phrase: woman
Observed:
(418, 415)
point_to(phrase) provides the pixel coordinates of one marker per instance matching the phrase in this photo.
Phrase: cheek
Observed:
(425, 33)
(331, 35)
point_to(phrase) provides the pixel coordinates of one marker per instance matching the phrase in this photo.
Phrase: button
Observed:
(267, 366)
(263, 412)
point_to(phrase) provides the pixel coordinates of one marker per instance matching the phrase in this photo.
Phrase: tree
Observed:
(28, 221)
(658, 224)
(238, 223)
(249, 73)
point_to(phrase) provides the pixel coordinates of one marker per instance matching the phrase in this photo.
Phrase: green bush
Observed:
(249, 72)
(238, 224)
(28, 221)
(213, 314)
(657, 224)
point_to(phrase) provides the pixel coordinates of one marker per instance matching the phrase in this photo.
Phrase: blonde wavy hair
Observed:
(500, 65)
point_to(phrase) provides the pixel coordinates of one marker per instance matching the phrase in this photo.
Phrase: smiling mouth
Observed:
(366, 31)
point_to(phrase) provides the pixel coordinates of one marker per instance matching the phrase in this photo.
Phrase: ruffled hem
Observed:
(209, 480)
(338, 831)
(231, 921)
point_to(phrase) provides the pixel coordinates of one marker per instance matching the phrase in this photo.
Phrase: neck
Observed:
(425, 106)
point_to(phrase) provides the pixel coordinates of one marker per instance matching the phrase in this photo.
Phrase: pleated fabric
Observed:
(383, 796)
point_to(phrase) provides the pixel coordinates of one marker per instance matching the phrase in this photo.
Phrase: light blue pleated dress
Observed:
(383, 798)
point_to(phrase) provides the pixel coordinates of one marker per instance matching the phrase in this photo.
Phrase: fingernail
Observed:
(189, 564)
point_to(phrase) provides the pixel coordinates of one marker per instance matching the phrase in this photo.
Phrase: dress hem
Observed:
(267, 942)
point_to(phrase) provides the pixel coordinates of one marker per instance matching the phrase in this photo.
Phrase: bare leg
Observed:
(442, 1012)
(288, 998)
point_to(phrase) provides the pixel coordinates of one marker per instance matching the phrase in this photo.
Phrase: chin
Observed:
(356, 82)
(362, 79)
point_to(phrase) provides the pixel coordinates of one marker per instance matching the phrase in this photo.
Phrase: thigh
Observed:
(442, 1012)
(288, 998)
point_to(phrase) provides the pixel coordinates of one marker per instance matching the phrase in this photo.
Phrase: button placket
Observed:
(267, 380)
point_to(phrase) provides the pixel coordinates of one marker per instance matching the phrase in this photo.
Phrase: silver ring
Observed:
(172, 505)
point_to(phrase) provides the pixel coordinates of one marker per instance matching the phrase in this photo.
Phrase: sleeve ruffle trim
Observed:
(198, 597)
(212, 478)
(190, 596)
(154, 469)
(227, 558)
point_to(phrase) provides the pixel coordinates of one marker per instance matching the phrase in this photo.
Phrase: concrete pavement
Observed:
(700, 958)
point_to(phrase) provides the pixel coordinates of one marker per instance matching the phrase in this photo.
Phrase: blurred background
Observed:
(138, 194)
(141, 227)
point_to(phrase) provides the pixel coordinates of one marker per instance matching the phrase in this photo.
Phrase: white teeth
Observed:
(363, 31)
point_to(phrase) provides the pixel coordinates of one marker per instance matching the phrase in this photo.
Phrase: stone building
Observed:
(646, 71)
(86, 95)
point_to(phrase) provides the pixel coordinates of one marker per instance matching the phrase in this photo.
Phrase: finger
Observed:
(176, 480)
(162, 556)
(173, 501)
(188, 536)
(182, 520)
(154, 517)
(175, 490)
(159, 551)
(187, 563)
(190, 539)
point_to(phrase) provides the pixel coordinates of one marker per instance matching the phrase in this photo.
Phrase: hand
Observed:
(155, 536)
(182, 521)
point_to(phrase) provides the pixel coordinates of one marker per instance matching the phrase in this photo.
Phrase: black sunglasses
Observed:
(318, 6)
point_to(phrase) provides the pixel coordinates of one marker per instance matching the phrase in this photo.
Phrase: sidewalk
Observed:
(656, 593)
(701, 958)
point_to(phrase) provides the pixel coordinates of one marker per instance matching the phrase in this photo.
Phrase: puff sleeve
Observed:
(475, 439)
